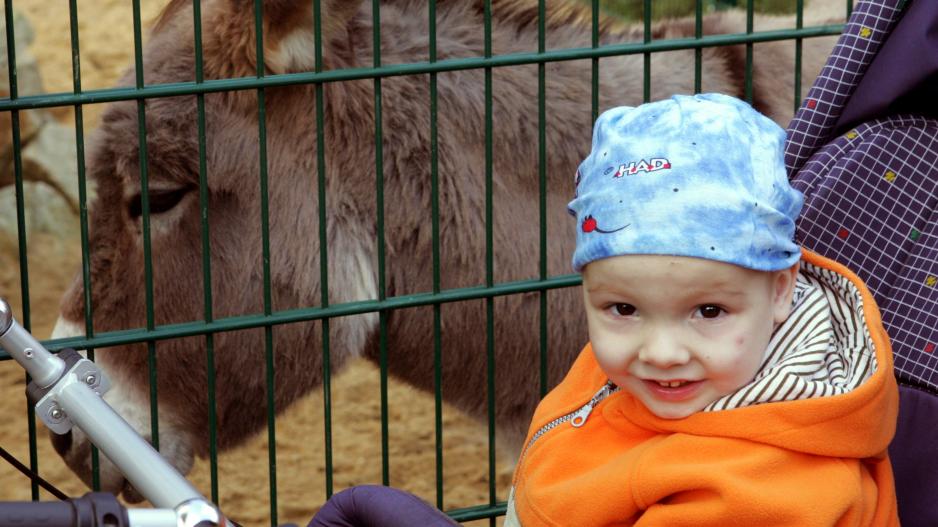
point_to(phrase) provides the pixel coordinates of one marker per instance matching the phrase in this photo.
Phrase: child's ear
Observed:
(783, 287)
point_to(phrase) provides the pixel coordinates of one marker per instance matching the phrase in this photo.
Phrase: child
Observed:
(730, 379)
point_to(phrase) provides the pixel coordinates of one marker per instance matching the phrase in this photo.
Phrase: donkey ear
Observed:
(335, 13)
(290, 43)
(288, 32)
(289, 40)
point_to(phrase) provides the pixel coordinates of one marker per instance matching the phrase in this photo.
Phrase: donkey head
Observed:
(172, 238)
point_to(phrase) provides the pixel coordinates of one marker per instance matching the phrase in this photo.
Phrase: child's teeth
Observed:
(671, 384)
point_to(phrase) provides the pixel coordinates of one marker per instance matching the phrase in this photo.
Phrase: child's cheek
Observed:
(735, 357)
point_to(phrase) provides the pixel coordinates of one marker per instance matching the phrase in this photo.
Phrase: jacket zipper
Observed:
(577, 418)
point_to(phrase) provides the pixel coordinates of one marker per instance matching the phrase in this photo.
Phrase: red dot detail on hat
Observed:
(930, 347)
(843, 233)
(589, 224)
(812, 103)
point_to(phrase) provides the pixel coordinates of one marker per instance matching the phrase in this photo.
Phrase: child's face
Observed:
(678, 332)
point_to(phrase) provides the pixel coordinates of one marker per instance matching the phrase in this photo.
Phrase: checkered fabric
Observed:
(866, 30)
(871, 194)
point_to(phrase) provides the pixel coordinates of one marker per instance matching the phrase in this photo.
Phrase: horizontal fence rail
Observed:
(497, 61)
(191, 329)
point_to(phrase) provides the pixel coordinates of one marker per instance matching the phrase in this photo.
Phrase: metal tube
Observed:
(152, 518)
(143, 466)
(44, 367)
(6, 316)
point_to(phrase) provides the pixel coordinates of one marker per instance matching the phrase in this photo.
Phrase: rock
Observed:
(28, 81)
(47, 152)
(50, 185)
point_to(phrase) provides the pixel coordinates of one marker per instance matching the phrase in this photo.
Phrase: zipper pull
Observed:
(581, 415)
(579, 418)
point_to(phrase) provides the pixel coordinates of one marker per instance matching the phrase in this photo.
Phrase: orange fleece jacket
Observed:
(820, 461)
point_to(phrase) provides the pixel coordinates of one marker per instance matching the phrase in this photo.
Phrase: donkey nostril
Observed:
(62, 443)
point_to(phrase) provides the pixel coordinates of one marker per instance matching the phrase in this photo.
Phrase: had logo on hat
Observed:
(653, 164)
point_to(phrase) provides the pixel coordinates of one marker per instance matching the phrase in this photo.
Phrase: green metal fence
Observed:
(209, 325)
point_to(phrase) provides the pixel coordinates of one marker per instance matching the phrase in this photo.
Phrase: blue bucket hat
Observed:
(701, 176)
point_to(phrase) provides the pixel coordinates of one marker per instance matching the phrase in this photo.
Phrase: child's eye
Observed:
(710, 311)
(624, 310)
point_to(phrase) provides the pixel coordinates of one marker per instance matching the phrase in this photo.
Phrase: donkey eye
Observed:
(160, 201)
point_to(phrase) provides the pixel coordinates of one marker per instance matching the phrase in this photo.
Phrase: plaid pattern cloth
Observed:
(871, 193)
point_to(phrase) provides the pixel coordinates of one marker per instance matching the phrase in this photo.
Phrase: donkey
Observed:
(233, 157)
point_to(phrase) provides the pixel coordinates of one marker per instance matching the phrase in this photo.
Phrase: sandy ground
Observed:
(106, 45)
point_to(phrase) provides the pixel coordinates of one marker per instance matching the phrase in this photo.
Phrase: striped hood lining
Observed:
(824, 348)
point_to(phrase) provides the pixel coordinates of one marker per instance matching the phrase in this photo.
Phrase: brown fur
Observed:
(232, 156)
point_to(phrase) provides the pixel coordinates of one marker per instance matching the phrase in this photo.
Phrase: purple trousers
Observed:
(377, 506)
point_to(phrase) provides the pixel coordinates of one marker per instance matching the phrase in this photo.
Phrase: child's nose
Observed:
(663, 349)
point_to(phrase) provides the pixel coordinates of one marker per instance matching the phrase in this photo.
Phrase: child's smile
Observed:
(678, 332)
(673, 390)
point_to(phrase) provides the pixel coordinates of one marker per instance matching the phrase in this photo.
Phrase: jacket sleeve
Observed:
(722, 482)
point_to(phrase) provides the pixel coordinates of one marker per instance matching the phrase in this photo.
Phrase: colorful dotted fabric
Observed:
(812, 126)
(871, 194)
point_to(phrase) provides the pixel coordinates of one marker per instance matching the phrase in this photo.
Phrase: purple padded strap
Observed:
(914, 457)
(871, 203)
(868, 26)
(377, 506)
(904, 75)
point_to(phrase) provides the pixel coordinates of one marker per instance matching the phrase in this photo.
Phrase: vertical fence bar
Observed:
(698, 52)
(145, 217)
(489, 257)
(799, 23)
(542, 188)
(82, 177)
(749, 21)
(265, 255)
(646, 38)
(21, 224)
(82, 193)
(206, 256)
(435, 235)
(379, 205)
(83, 206)
(323, 248)
(17, 165)
(594, 92)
